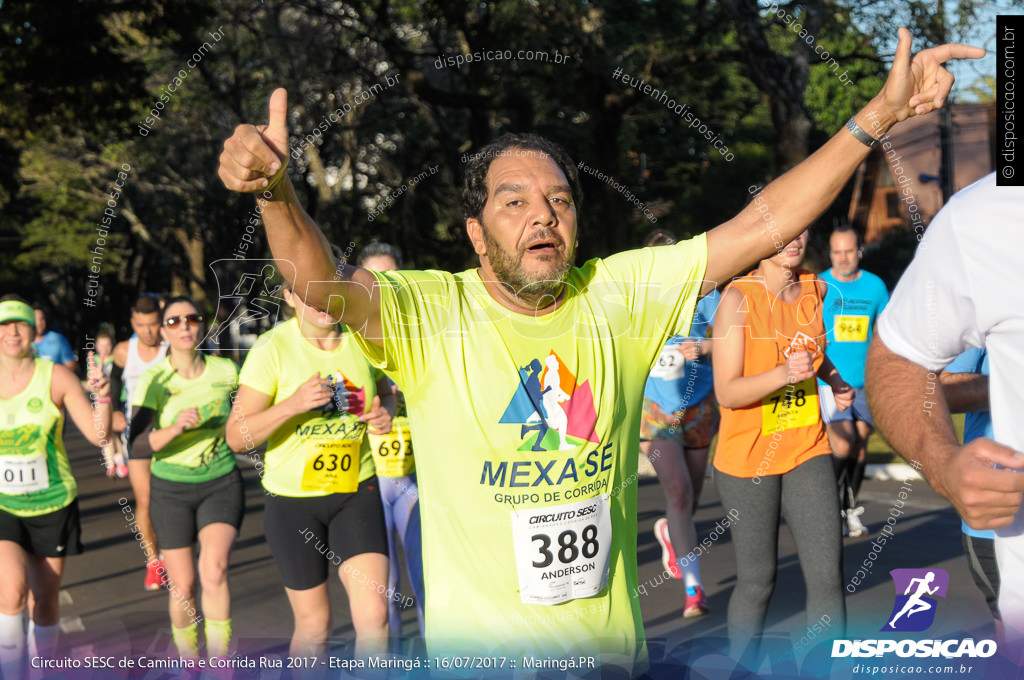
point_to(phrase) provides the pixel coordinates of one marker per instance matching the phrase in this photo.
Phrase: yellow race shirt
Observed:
(525, 431)
(323, 451)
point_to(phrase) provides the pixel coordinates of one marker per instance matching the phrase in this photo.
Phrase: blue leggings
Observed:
(402, 515)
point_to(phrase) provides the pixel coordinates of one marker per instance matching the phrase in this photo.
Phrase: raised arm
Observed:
(92, 420)
(254, 161)
(792, 202)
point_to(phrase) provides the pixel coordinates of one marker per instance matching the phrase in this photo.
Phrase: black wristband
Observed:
(860, 134)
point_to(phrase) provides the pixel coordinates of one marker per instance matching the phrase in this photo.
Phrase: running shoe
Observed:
(156, 576)
(120, 467)
(696, 604)
(668, 555)
(857, 528)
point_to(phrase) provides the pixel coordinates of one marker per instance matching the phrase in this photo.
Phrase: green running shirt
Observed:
(35, 476)
(198, 454)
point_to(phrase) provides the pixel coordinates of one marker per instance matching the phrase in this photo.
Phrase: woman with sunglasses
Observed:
(308, 392)
(773, 456)
(39, 518)
(180, 408)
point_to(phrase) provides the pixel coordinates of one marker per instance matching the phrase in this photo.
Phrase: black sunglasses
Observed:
(192, 319)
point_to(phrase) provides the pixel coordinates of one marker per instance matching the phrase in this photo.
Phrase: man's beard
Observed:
(537, 292)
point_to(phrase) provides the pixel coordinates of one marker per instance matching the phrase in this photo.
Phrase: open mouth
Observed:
(548, 247)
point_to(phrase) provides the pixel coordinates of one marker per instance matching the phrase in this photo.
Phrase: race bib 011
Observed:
(789, 407)
(23, 474)
(562, 551)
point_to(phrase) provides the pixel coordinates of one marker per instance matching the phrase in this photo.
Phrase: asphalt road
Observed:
(106, 612)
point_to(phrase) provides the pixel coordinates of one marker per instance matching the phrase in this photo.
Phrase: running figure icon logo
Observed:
(914, 609)
(553, 411)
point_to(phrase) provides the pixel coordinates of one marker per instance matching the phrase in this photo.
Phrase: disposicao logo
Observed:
(914, 611)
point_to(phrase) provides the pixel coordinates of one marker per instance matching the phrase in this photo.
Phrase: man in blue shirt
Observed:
(51, 345)
(853, 302)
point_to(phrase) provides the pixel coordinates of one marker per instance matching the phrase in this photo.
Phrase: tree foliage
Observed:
(78, 89)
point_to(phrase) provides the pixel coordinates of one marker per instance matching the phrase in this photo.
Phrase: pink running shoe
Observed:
(120, 467)
(668, 555)
(696, 604)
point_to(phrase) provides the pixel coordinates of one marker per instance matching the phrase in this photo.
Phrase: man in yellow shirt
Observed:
(529, 546)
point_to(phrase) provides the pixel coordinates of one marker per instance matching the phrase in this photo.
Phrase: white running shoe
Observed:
(856, 527)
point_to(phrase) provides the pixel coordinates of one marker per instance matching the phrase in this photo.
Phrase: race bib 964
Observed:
(850, 328)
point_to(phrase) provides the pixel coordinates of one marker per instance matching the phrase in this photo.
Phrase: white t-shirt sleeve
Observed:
(931, 317)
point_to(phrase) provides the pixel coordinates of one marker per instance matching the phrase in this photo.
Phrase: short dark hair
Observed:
(660, 237)
(847, 229)
(474, 186)
(16, 298)
(377, 248)
(147, 304)
(172, 301)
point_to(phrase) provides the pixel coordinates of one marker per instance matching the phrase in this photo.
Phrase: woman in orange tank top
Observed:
(772, 456)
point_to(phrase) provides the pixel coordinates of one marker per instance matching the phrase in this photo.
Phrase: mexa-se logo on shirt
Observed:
(554, 414)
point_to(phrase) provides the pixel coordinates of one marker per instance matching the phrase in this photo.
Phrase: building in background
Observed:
(879, 205)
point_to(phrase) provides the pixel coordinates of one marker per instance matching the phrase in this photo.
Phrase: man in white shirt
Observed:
(965, 287)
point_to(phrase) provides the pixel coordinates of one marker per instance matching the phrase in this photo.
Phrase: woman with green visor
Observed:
(39, 519)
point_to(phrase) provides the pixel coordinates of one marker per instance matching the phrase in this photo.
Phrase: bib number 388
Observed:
(562, 551)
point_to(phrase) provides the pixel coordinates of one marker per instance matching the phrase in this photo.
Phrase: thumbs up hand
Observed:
(255, 156)
(377, 418)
